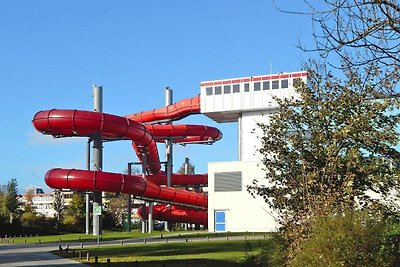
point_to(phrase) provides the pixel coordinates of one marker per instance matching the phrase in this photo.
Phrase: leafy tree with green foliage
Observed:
(28, 205)
(58, 204)
(75, 211)
(12, 198)
(329, 150)
(3, 209)
(349, 239)
(116, 205)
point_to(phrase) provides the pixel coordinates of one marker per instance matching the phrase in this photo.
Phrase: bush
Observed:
(350, 239)
(273, 255)
(33, 223)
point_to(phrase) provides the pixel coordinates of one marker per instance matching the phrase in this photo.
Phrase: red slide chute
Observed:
(144, 135)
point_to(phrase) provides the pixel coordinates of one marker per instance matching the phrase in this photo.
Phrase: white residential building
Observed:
(42, 203)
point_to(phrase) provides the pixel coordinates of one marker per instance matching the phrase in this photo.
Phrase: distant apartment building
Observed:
(42, 202)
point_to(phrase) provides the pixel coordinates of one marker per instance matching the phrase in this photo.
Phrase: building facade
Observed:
(248, 101)
(42, 203)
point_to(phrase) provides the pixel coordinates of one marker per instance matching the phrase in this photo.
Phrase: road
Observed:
(33, 255)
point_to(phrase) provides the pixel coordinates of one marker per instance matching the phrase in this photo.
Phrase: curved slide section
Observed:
(142, 129)
(172, 112)
(66, 122)
(175, 214)
(118, 182)
(179, 179)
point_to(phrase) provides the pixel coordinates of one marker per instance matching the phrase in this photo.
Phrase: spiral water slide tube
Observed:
(144, 133)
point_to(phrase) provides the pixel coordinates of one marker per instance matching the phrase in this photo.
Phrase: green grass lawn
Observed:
(199, 253)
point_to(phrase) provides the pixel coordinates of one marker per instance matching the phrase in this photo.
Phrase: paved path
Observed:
(33, 255)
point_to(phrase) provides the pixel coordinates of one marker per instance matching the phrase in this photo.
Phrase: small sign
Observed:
(97, 210)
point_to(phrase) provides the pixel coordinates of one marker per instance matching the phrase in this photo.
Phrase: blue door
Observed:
(220, 221)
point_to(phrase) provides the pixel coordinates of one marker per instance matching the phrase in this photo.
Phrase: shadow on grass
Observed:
(194, 248)
(216, 253)
(173, 263)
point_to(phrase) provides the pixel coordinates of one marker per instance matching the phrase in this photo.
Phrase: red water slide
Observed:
(144, 135)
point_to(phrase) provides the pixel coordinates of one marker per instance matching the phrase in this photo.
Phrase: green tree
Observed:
(28, 206)
(116, 204)
(12, 198)
(58, 204)
(75, 211)
(3, 209)
(348, 239)
(329, 150)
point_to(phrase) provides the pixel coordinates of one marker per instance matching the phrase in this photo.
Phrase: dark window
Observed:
(218, 90)
(266, 85)
(257, 86)
(285, 83)
(227, 89)
(275, 84)
(246, 87)
(209, 91)
(236, 88)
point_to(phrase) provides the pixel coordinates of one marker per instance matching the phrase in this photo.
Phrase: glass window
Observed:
(227, 89)
(266, 85)
(236, 88)
(209, 90)
(285, 83)
(257, 86)
(275, 84)
(218, 90)
(246, 87)
(220, 221)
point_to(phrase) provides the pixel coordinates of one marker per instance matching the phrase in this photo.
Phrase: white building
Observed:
(248, 101)
(41, 202)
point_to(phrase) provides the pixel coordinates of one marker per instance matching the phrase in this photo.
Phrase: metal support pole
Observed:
(144, 215)
(97, 162)
(168, 148)
(129, 201)
(168, 142)
(186, 172)
(87, 215)
(150, 215)
(87, 193)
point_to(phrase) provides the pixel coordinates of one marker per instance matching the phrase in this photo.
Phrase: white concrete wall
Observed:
(250, 134)
(242, 211)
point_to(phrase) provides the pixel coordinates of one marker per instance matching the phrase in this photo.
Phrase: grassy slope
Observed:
(199, 253)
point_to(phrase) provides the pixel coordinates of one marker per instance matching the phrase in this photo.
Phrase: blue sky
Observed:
(51, 52)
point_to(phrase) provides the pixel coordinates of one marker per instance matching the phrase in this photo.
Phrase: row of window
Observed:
(44, 206)
(235, 88)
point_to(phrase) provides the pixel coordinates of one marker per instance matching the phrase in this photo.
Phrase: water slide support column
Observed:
(144, 215)
(129, 200)
(186, 172)
(87, 195)
(168, 147)
(97, 162)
